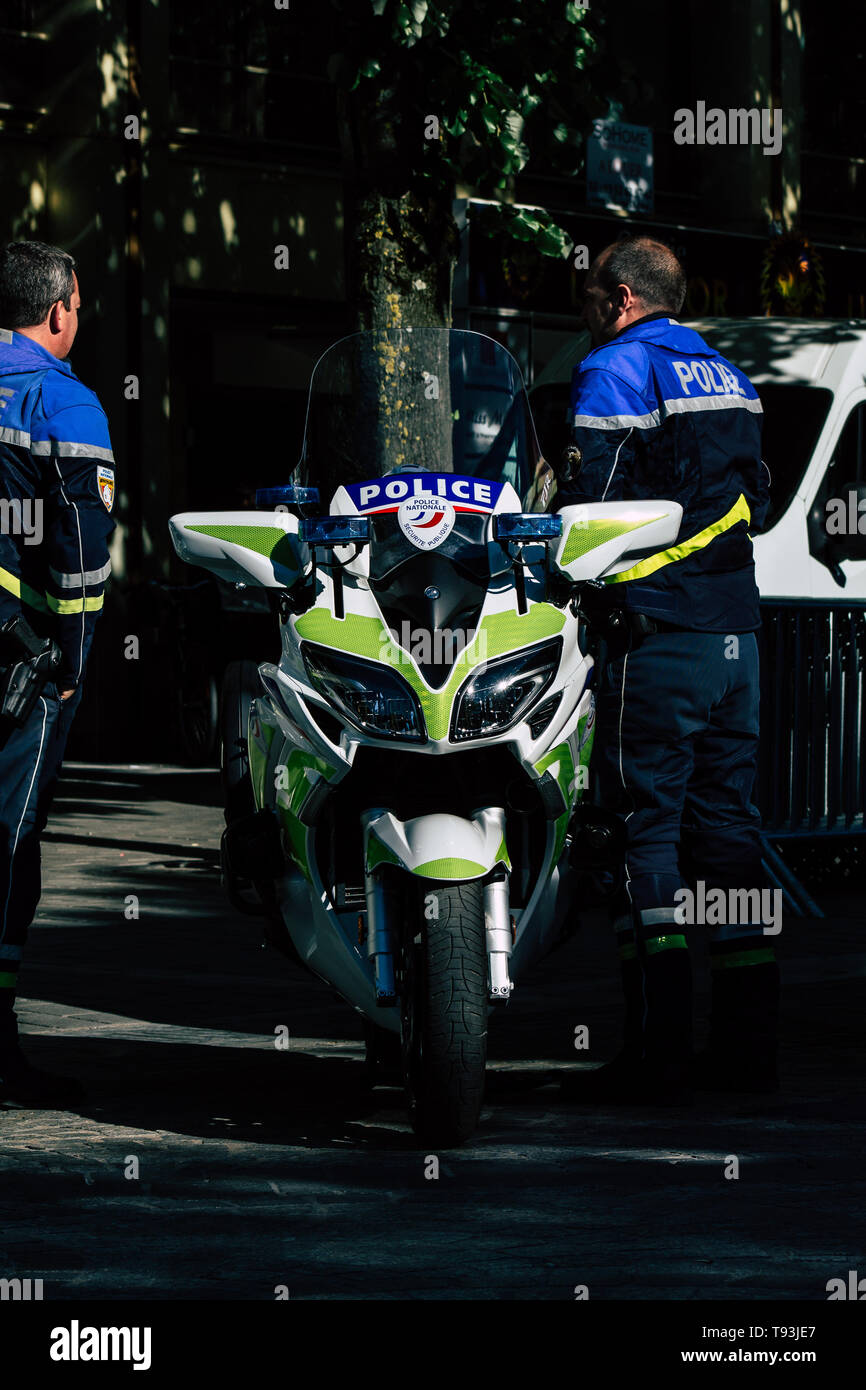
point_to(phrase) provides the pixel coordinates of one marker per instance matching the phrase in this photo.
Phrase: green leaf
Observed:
(514, 124)
(533, 226)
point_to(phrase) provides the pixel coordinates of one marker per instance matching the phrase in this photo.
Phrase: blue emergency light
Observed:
(335, 530)
(527, 526)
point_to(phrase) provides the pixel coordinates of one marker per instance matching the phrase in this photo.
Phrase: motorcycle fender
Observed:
(440, 847)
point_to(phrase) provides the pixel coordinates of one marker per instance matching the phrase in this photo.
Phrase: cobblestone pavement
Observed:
(259, 1167)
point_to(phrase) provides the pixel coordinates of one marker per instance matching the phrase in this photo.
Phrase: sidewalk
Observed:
(259, 1167)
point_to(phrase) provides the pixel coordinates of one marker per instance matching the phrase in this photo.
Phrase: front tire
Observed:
(444, 1013)
(241, 685)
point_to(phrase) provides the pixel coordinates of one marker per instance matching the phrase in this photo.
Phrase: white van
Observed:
(811, 377)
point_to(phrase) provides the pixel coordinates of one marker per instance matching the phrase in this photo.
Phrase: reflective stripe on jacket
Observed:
(56, 495)
(656, 412)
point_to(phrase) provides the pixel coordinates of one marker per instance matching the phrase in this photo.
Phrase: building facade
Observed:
(189, 157)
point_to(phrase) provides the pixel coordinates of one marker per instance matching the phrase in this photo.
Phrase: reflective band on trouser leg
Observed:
(737, 958)
(739, 512)
(658, 930)
(8, 981)
(746, 925)
(665, 943)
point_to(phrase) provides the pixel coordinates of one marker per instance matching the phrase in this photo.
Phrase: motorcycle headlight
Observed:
(373, 699)
(502, 692)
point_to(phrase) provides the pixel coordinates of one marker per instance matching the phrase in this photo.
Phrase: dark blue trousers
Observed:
(677, 747)
(30, 763)
(675, 755)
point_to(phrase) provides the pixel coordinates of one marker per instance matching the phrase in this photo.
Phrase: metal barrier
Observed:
(812, 760)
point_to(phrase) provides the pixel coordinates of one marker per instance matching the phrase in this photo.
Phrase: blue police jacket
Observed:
(56, 497)
(656, 412)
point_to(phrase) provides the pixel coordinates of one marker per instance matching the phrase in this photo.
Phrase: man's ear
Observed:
(54, 320)
(620, 297)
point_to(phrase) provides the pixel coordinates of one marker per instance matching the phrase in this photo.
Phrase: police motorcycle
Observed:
(405, 786)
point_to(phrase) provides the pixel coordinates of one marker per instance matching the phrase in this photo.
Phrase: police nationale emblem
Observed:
(426, 521)
(105, 483)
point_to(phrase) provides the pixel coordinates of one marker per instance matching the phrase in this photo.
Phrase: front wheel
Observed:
(241, 685)
(444, 1013)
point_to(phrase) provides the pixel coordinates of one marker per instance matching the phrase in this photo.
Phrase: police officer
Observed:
(658, 414)
(56, 493)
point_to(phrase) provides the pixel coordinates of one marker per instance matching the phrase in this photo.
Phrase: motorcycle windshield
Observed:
(417, 400)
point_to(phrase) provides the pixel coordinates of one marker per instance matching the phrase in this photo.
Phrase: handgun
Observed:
(33, 661)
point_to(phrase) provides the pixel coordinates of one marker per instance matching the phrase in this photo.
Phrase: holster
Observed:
(28, 663)
(617, 631)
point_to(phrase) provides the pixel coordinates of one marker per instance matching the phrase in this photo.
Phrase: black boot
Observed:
(23, 1084)
(655, 1064)
(742, 1052)
(617, 1081)
(668, 1045)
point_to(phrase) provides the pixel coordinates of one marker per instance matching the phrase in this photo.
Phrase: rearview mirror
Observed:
(243, 547)
(596, 536)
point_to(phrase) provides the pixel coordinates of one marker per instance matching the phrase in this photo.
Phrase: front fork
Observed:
(497, 924)
(383, 904)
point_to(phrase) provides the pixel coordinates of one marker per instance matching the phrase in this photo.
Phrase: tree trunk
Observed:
(401, 251)
(402, 258)
(402, 242)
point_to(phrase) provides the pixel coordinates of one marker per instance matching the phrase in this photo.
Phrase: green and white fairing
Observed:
(426, 439)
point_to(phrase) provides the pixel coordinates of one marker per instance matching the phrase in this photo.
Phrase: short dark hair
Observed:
(33, 277)
(650, 269)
